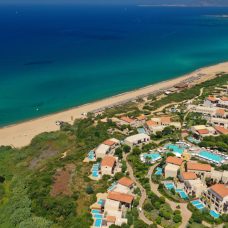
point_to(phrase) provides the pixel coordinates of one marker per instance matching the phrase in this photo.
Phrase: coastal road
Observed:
(143, 192)
(185, 213)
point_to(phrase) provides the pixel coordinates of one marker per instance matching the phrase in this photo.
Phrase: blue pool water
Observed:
(141, 130)
(193, 140)
(158, 171)
(98, 223)
(183, 195)
(113, 185)
(214, 214)
(98, 216)
(198, 204)
(67, 55)
(95, 174)
(153, 157)
(210, 156)
(100, 201)
(94, 211)
(175, 148)
(169, 186)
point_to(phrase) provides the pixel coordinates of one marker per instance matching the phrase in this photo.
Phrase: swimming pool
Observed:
(193, 140)
(141, 130)
(214, 214)
(95, 211)
(98, 223)
(100, 202)
(198, 204)
(158, 171)
(98, 216)
(152, 157)
(95, 174)
(176, 149)
(91, 155)
(169, 186)
(210, 156)
(113, 185)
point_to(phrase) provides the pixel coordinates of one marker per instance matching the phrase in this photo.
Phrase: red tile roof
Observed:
(111, 219)
(188, 176)
(108, 161)
(203, 131)
(221, 130)
(212, 99)
(174, 160)
(127, 119)
(109, 142)
(220, 112)
(151, 123)
(198, 166)
(224, 98)
(220, 189)
(141, 117)
(121, 197)
(126, 182)
(165, 120)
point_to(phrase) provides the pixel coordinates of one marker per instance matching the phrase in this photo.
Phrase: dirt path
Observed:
(185, 213)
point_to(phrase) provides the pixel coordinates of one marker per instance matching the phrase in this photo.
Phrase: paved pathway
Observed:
(143, 192)
(186, 214)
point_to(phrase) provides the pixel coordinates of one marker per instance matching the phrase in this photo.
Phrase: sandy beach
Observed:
(21, 134)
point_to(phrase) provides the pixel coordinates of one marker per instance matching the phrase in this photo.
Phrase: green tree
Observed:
(126, 148)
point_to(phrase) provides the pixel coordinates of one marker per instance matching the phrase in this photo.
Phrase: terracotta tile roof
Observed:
(165, 120)
(220, 112)
(109, 142)
(127, 119)
(198, 166)
(126, 181)
(212, 99)
(221, 130)
(188, 176)
(151, 123)
(224, 98)
(141, 117)
(121, 197)
(203, 131)
(174, 160)
(220, 189)
(111, 219)
(108, 161)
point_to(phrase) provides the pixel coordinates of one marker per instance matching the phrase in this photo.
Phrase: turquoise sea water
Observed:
(56, 57)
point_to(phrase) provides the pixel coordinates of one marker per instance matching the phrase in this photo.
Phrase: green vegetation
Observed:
(216, 142)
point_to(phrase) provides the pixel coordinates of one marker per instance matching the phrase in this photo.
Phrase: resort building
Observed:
(219, 122)
(194, 187)
(137, 140)
(113, 143)
(159, 123)
(184, 176)
(124, 185)
(223, 102)
(216, 198)
(140, 120)
(102, 150)
(124, 199)
(108, 165)
(221, 130)
(173, 164)
(125, 120)
(201, 170)
(202, 131)
(210, 101)
(107, 147)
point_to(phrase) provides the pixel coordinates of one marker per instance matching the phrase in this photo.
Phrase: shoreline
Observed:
(21, 134)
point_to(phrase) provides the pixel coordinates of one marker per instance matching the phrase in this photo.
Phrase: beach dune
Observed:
(21, 134)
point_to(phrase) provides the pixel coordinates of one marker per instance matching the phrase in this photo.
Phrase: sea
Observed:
(54, 57)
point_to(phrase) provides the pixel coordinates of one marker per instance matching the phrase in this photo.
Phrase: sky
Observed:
(185, 2)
